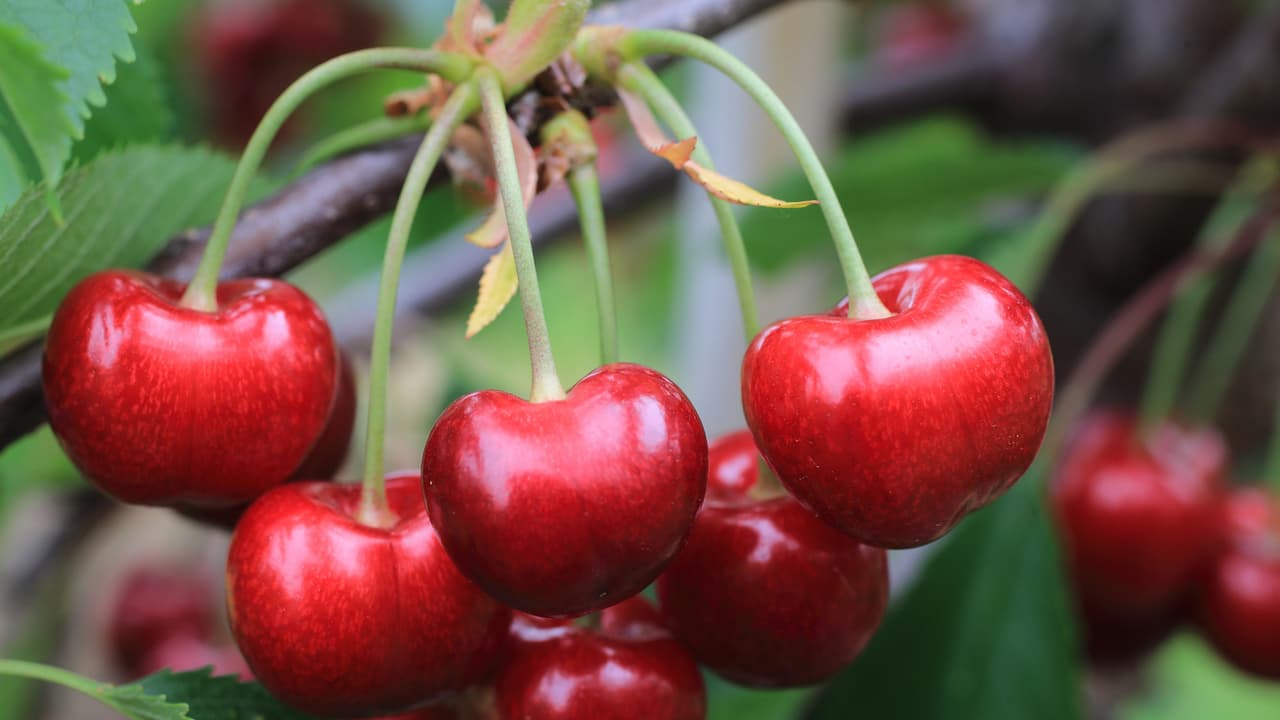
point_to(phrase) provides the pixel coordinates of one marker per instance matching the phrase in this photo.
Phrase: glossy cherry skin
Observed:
(560, 508)
(1137, 520)
(159, 404)
(154, 604)
(764, 593)
(893, 429)
(629, 668)
(324, 460)
(342, 619)
(1239, 596)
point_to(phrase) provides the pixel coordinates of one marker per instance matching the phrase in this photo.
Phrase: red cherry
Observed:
(338, 618)
(765, 593)
(918, 33)
(326, 457)
(560, 508)
(185, 652)
(1137, 521)
(892, 430)
(160, 404)
(330, 451)
(1239, 597)
(629, 668)
(153, 604)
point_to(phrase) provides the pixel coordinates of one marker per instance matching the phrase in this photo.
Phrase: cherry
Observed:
(563, 507)
(891, 430)
(159, 404)
(765, 593)
(1136, 515)
(247, 53)
(183, 652)
(325, 458)
(629, 668)
(339, 618)
(1239, 596)
(152, 605)
(917, 33)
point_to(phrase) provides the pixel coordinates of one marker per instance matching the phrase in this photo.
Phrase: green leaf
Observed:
(219, 698)
(83, 36)
(33, 117)
(139, 704)
(985, 633)
(12, 176)
(19, 335)
(119, 210)
(730, 702)
(137, 110)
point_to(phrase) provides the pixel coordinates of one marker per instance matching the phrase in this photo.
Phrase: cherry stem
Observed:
(584, 183)
(546, 384)
(374, 510)
(864, 303)
(201, 294)
(58, 676)
(1176, 341)
(379, 129)
(638, 78)
(1106, 169)
(1230, 339)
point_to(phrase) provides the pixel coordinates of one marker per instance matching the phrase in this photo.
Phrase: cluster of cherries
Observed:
(1154, 538)
(511, 591)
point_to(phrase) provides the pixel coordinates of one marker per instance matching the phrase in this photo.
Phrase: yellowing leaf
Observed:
(498, 284)
(737, 192)
(493, 231)
(642, 121)
(679, 153)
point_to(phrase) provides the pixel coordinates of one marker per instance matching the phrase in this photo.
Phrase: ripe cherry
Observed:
(325, 458)
(765, 593)
(1239, 596)
(629, 668)
(1136, 514)
(339, 618)
(152, 605)
(893, 429)
(160, 404)
(248, 52)
(559, 508)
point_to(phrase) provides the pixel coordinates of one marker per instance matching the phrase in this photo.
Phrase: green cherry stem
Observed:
(1230, 338)
(570, 133)
(864, 304)
(546, 384)
(638, 78)
(584, 183)
(57, 676)
(201, 294)
(373, 500)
